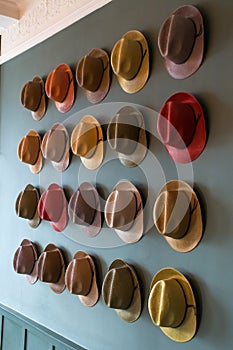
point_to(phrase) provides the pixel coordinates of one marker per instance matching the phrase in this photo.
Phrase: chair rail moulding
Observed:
(44, 19)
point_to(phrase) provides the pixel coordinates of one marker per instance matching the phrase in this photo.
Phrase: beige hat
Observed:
(80, 278)
(29, 151)
(172, 305)
(130, 61)
(177, 216)
(124, 212)
(87, 142)
(121, 291)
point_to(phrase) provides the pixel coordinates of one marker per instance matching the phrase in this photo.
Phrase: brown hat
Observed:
(121, 291)
(52, 207)
(87, 142)
(177, 216)
(181, 41)
(59, 87)
(29, 151)
(25, 260)
(56, 147)
(33, 97)
(126, 134)
(26, 205)
(124, 212)
(80, 278)
(130, 61)
(51, 268)
(84, 209)
(172, 305)
(93, 75)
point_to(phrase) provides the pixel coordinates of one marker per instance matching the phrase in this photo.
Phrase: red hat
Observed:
(181, 126)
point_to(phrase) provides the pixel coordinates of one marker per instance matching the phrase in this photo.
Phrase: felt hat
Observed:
(124, 212)
(172, 305)
(33, 97)
(84, 209)
(29, 151)
(130, 61)
(181, 41)
(177, 216)
(121, 291)
(87, 142)
(93, 75)
(52, 207)
(51, 268)
(25, 260)
(59, 87)
(26, 205)
(55, 146)
(181, 126)
(126, 134)
(80, 278)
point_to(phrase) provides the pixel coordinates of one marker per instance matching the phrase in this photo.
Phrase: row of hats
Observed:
(181, 127)
(180, 42)
(177, 211)
(171, 302)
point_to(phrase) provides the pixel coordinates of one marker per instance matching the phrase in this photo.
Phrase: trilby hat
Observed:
(181, 126)
(130, 61)
(172, 305)
(177, 216)
(80, 278)
(181, 41)
(29, 151)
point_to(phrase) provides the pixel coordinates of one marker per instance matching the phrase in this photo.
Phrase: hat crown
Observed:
(55, 145)
(176, 38)
(84, 209)
(167, 303)
(84, 139)
(31, 95)
(49, 266)
(51, 205)
(26, 204)
(79, 276)
(57, 85)
(28, 149)
(24, 259)
(90, 72)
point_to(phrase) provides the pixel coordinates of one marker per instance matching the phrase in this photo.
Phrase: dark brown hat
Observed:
(51, 268)
(80, 278)
(59, 87)
(33, 97)
(126, 134)
(26, 205)
(25, 260)
(56, 148)
(121, 291)
(84, 209)
(93, 75)
(29, 151)
(181, 41)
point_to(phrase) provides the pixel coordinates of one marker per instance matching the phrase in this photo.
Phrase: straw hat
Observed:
(29, 151)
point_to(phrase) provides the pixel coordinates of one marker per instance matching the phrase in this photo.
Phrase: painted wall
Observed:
(209, 266)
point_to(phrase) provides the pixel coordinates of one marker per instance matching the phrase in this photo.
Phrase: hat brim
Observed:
(187, 329)
(59, 286)
(137, 83)
(135, 232)
(194, 234)
(190, 66)
(40, 112)
(197, 145)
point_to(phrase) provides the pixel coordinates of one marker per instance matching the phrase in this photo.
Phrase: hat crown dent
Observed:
(31, 95)
(90, 73)
(52, 205)
(86, 139)
(58, 85)
(24, 259)
(79, 276)
(29, 149)
(27, 205)
(49, 266)
(84, 207)
(55, 145)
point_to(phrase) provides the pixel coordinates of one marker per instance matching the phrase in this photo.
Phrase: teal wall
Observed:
(209, 266)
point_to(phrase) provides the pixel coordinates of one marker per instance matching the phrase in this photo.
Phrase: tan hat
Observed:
(130, 61)
(33, 97)
(121, 291)
(56, 147)
(181, 41)
(87, 142)
(80, 278)
(51, 268)
(126, 134)
(177, 216)
(93, 75)
(59, 87)
(84, 209)
(172, 305)
(25, 260)
(26, 205)
(29, 151)
(124, 212)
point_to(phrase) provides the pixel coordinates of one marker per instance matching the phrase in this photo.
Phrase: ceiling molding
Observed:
(44, 19)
